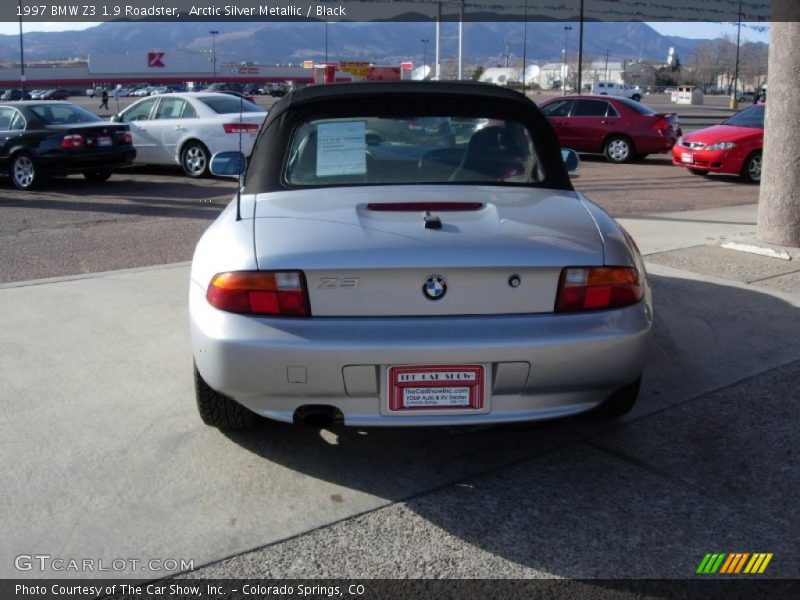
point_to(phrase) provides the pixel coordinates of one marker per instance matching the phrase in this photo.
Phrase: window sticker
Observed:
(341, 149)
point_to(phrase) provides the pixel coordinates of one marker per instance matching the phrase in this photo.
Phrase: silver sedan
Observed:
(413, 254)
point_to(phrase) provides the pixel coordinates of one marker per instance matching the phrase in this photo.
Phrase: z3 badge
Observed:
(331, 283)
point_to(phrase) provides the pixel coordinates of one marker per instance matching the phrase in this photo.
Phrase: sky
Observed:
(690, 30)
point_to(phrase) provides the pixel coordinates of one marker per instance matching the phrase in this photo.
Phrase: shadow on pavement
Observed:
(565, 505)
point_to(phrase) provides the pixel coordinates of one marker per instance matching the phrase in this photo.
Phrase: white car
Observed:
(613, 88)
(187, 129)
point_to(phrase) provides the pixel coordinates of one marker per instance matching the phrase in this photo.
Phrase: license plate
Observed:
(687, 158)
(436, 387)
(104, 141)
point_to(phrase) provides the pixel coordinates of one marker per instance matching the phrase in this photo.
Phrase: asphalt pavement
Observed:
(106, 457)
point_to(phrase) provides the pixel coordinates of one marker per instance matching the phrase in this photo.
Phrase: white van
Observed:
(612, 88)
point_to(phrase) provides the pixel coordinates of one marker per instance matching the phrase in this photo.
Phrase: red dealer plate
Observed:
(436, 387)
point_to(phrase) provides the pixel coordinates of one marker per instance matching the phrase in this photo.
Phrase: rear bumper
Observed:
(66, 163)
(537, 366)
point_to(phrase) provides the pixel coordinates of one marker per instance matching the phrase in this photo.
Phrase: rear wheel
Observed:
(619, 149)
(751, 170)
(25, 172)
(620, 402)
(194, 159)
(97, 176)
(217, 410)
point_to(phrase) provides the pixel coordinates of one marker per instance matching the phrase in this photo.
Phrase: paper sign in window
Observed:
(341, 149)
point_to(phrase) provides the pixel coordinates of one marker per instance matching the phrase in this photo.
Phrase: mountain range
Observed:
(381, 43)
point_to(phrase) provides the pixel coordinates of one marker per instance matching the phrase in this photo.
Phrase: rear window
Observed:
(637, 106)
(749, 117)
(411, 150)
(63, 114)
(229, 104)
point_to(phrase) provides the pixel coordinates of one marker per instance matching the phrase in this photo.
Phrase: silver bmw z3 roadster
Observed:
(413, 254)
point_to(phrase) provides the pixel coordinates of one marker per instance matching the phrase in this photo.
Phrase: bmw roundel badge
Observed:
(434, 287)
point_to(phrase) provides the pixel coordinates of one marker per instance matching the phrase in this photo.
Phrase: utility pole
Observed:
(567, 29)
(606, 65)
(213, 33)
(21, 55)
(424, 55)
(580, 51)
(734, 102)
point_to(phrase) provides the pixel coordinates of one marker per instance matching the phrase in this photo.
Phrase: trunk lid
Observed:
(362, 261)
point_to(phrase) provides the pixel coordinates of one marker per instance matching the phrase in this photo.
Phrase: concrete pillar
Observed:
(779, 197)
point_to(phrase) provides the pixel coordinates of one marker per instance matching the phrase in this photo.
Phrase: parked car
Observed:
(734, 146)
(614, 88)
(36, 94)
(418, 292)
(745, 96)
(15, 94)
(47, 139)
(186, 129)
(59, 94)
(620, 128)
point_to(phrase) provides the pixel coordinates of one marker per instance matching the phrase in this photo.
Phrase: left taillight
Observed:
(240, 127)
(72, 141)
(595, 288)
(277, 293)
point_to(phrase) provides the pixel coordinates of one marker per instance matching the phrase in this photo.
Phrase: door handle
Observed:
(180, 128)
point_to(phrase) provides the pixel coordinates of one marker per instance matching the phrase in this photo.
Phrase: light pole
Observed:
(607, 65)
(214, 34)
(424, 54)
(567, 29)
(21, 55)
(734, 103)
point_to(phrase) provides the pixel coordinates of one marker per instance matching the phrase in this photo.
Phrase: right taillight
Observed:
(278, 293)
(595, 288)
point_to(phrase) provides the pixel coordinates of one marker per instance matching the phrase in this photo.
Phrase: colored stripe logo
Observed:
(734, 563)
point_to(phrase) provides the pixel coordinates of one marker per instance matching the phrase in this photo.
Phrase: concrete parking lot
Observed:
(106, 457)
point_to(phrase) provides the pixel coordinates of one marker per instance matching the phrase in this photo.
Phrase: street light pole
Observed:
(734, 103)
(567, 29)
(21, 55)
(213, 33)
(424, 55)
(607, 65)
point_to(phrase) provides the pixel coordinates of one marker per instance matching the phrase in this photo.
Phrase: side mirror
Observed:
(228, 164)
(571, 160)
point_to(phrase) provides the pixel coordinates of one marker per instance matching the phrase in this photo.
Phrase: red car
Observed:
(620, 128)
(733, 146)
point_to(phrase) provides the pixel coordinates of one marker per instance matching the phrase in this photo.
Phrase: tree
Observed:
(476, 74)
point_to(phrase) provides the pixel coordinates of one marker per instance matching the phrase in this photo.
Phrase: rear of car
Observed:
(59, 138)
(395, 282)
(732, 147)
(621, 129)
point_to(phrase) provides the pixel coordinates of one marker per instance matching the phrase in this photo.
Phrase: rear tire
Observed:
(619, 149)
(751, 170)
(217, 410)
(97, 176)
(620, 402)
(195, 159)
(25, 172)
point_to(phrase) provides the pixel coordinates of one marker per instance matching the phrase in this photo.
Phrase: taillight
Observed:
(126, 138)
(661, 125)
(240, 127)
(593, 288)
(72, 141)
(281, 293)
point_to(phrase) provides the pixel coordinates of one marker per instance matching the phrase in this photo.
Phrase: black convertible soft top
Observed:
(396, 98)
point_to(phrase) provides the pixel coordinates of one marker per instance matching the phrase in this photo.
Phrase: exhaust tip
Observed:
(319, 416)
